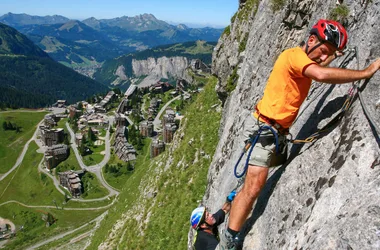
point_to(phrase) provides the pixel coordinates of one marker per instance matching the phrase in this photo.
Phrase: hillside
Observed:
(73, 43)
(159, 196)
(121, 69)
(30, 78)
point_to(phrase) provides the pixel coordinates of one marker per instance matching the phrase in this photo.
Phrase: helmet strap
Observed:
(312, 49)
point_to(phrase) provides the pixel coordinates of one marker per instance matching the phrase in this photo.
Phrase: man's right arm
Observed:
(338, 75)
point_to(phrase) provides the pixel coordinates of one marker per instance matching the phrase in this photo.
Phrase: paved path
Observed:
(60, 208)
(157, 120)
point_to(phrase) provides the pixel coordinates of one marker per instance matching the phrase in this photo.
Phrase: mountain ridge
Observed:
(30, 78)
(83, 44)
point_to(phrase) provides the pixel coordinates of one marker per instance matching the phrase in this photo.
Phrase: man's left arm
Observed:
(331, 58)
(338, 75)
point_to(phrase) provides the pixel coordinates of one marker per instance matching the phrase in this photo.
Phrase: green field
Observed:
(27, 185)
(12, 143)
(119, 182)
(33, 227)
(93, 189)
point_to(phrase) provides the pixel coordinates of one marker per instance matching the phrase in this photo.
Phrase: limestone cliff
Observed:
(162, 67)
(327, 195)
(153, 69)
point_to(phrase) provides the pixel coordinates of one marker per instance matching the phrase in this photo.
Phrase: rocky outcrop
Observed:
(161, 67)
(327, 195)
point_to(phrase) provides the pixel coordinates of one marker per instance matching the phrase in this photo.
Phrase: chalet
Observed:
(121, 120)
(123, 149)
(168, 132)
(146, 128)
(71, 180)
(61, 103)
(50, 120)
(123, 106)
(56, 154)
(168, 117)
(99, 109)
(52, 137)
(156, 148)
(78, 139)
(160, 87)
(74, 112)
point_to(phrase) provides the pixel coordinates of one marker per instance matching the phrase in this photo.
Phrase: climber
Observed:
(286, 89)
(207, 224)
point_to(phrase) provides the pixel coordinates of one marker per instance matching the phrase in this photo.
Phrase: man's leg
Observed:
(253, 184)
(241, 207)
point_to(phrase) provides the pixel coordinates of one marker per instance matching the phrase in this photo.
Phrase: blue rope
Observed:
(253, 142)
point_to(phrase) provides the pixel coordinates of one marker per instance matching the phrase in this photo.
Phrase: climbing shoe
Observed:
(227, 242)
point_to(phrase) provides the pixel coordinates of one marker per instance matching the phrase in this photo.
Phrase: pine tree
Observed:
(10, 125)
(5, 125)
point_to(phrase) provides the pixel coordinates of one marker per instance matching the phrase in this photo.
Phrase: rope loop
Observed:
(249, 147)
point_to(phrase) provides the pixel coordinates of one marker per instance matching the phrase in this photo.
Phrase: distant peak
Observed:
(182, 26)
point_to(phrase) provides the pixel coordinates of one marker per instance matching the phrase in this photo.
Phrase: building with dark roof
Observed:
(52, 137)
(56, 154)
(146, 128)
(71, 180)
(156, 148)
(168, 132)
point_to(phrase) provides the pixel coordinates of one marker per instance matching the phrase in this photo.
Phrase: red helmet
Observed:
(331, 32)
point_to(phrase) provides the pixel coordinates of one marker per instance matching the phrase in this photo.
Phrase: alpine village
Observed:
(112, 131)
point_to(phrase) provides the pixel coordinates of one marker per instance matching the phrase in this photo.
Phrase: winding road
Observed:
(97, 168)
(157, 121)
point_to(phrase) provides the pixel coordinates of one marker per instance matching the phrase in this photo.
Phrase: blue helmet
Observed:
(197, 216)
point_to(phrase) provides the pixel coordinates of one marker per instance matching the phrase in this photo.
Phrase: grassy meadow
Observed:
(11, 142)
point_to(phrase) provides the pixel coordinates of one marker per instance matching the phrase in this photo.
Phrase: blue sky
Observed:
(205, 12)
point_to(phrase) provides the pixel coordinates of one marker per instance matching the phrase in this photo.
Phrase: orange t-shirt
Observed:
(286, 88)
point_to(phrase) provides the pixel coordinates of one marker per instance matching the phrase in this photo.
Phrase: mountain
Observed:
(137, 23)
(73, 43)
(30, 78)
(18, 20)
(13, 42)
(84, 45)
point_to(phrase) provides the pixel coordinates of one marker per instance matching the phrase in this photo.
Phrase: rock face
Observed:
(161, 67)
(327, 195)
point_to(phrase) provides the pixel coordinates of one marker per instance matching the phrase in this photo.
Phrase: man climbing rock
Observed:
(207, 224)
(286, 89)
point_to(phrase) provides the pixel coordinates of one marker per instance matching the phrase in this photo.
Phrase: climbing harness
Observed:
(250, 144)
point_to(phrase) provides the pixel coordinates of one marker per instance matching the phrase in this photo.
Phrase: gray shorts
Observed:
(264, 153)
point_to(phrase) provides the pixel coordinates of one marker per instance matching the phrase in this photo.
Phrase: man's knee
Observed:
(255, 181)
